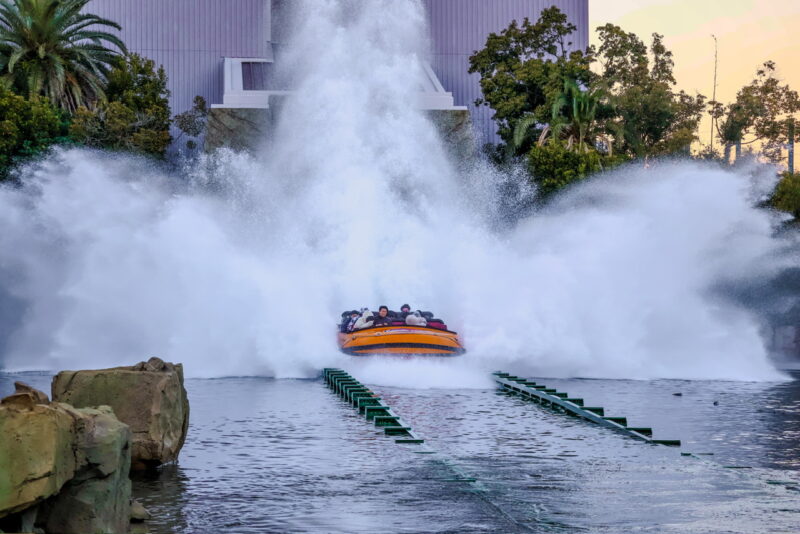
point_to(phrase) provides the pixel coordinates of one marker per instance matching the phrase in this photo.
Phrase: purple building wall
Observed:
(460, 27)
(190, 38)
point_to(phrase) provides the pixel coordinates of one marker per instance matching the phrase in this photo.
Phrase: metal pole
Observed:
(714, 92)
(791, 145)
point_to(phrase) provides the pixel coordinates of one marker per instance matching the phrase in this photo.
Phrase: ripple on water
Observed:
(288, 456)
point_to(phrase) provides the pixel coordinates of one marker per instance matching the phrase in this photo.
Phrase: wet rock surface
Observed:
(97, 498)
(138, 512)
(455, 128)
(237, 128)
(149, 397)
(62, 470)
(37, 455)
(246, 129)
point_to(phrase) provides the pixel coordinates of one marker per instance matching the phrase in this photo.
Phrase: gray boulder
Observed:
(97, 498)
(62, 469)
(149, 397)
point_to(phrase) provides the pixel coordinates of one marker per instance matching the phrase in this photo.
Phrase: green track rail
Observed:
(371, 405)
(367, 402)
(596, 414)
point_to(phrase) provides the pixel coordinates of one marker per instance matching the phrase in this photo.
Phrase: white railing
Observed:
(432, 96)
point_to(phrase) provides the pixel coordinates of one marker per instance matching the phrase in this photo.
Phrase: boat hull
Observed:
(401, 341)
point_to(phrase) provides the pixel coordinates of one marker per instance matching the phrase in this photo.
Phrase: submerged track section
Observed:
(545, 396)
(367, 402)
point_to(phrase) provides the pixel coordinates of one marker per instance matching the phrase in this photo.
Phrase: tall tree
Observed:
(652, 118)
(523, 69)
(758, 114)
(51, 48)
(135, 114)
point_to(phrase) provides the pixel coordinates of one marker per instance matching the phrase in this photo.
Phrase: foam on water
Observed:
(242, 265)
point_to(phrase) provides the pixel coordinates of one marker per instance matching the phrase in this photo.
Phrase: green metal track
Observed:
(596, 414)
(366, 402)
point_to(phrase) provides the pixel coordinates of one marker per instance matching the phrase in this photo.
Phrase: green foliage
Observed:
(27, 128)
(522, 129)
(574, 113)
(787, 194)
(758, 113)
(135, 82)
(573, 120)
(553, 166)
(135, 115)
(193, 121)
(524, 67)
(537, 88)
(651, 118)
(51, 48)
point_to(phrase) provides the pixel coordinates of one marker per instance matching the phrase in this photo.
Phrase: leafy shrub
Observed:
(135, 115)
(554, 166)
(27, 128)
(787, 194)
(193, 121)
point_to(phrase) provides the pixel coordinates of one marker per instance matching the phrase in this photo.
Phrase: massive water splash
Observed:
(241, 265)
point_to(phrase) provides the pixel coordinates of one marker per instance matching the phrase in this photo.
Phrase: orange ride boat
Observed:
(400, 339)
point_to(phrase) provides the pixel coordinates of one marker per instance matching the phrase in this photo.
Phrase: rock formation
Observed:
(138, 512)
(63, 470)
(249, 129)
(455, 128)
(149, 397)
(37, 450)
(237, 128)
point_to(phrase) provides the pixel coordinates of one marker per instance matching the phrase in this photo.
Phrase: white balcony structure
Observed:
(247, 85)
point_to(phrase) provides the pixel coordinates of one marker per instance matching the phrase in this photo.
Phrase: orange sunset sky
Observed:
(749, 32)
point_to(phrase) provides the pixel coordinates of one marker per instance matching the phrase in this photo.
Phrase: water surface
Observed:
(267, 455)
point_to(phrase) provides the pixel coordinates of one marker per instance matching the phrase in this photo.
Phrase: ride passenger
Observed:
(383, 317)
(365, 320)
(349, 325)
(416, 319)
(405, 309)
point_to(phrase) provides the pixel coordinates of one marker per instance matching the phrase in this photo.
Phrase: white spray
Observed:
(244, 268)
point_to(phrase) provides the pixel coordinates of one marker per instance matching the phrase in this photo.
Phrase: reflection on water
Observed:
(743, 423)
(269, 455)
(285, 456)
(542, 465)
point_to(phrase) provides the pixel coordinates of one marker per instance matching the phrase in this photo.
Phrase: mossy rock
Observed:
(149, 397)
(37, 455)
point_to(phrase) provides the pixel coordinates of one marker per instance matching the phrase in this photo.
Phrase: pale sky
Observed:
(749, 32)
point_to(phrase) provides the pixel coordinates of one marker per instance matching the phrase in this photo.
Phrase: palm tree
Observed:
(577, 124)
(521, 129)
(51, 48)
(572, 120)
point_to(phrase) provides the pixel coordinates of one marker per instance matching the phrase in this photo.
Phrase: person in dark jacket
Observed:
(382, 318)
(405, 309)
(349, 323)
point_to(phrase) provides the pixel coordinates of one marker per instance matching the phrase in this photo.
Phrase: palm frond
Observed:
(53, 48)
(521, 130)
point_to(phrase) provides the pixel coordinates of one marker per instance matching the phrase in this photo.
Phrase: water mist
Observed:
(241, 265)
